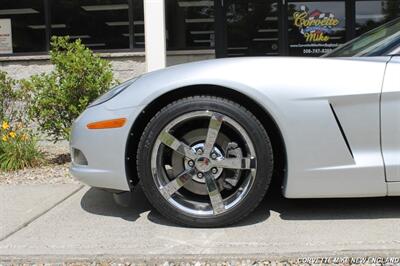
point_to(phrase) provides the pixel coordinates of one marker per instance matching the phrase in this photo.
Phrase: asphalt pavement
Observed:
(73, 221)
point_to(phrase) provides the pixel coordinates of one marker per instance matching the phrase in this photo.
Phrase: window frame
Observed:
(47, 22)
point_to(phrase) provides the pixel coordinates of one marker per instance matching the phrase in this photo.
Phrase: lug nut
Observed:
(214, 170)
(199, 151)
(213, 156)
(200, 175)
(191, 163)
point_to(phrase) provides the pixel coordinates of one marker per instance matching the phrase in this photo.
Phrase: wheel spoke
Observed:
(212, 134)
(236, 163)
(178, 146)
(214, 194)
(168, 190)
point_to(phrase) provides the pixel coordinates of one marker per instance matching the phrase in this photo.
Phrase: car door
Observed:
(390, 123)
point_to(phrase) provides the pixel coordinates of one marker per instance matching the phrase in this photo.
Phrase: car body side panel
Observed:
(327, 111)
(391, 121)
(104, 149)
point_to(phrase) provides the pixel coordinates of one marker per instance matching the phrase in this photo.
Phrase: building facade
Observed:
(192, 29)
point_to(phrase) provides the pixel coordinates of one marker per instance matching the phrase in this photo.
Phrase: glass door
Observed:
(252, 28)
(281, 27)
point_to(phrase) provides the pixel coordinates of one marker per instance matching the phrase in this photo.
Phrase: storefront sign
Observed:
(315, 26)
(315, 32)
(5, 36)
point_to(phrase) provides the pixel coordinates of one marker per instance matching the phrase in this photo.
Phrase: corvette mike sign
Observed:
(315, 26)
(315, 32)
(5, 36)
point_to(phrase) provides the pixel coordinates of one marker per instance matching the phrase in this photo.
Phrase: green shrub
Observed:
(18, 148)
(57, 98)
(8, 97)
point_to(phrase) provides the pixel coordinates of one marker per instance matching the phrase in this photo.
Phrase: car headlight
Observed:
(112, 93)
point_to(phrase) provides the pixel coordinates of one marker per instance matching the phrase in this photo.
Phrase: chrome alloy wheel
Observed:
(203, 163)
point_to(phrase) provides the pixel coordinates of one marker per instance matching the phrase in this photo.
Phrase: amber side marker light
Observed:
(112, 123)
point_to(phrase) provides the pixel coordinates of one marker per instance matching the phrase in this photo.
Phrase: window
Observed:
(245, 27)
(315, 28)
(99, 24)
(138, 24)
(371, 14)
(190, 24)
(252, 28)
(27, 24)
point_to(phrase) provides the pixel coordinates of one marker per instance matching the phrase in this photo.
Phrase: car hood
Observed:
(252, 75)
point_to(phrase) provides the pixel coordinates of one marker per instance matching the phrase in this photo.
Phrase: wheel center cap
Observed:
(203, 164)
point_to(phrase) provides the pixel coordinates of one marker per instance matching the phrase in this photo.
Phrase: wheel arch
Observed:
(278, 144)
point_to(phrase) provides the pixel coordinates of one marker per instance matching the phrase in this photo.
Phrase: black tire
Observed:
(255, 131)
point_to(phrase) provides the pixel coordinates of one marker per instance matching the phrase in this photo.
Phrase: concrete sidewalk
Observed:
(88, 223)
(21, 204)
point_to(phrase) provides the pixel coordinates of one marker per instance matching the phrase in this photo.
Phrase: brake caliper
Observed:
(232, 176)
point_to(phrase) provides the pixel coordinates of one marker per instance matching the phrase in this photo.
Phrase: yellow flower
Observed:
(5, 125)
(4, 138)
(24, 137)
(12, 134)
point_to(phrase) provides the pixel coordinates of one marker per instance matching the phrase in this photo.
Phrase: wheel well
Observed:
(267, 121)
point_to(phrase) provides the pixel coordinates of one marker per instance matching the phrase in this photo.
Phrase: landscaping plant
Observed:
(18, 148)
(18, 145)
(57, 98)
(8, 97)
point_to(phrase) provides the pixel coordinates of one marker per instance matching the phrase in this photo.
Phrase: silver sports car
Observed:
(205, 139)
